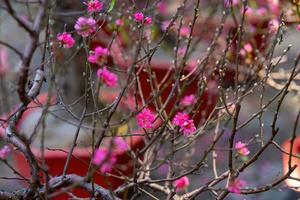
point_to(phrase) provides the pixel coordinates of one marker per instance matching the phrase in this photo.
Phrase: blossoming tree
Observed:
(152, 91)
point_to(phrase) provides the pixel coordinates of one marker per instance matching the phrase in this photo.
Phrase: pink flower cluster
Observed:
(187, 100)
(85, 26)
(241, 148)
(94, 6)
(108, 78)
(107, 160)
(181, 183)
(236, 185)
(65, 40)
(186, 125)
(139, 18)
(4, 152)
(98, 55)
(145, 119)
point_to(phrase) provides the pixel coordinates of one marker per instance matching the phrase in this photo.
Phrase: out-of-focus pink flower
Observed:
(248, 13)
(241, 148)
(148, 20)
(119, 22)
(234, 3)
(236, 185)
(165, 24)
(298, 27)
(181, 183)
(145, 119)
(247, 48)
(94, 6)
(4, 152)
(109, 79)
(85, 26)
(98, 55)
(274, 7)
(105, 160)
(65, 40)
(186, 125)
(274, 25)
(261, 11)
(188, 100)
(120, 144)
(3, 61)
(139, 17)
(184, 31)
(162, 8)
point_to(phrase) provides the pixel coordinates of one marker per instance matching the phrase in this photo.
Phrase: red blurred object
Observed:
(294, 184)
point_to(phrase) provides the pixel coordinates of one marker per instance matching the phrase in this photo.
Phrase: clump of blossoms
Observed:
(4, 152)
(108, 78)
(98, 55)
(145, 119)
(236, 185)
(105, 160)
(188, 100)
(185, 123)
(65, 40)
(94, 6)
(139, 17)
(85, 26)
(184, 31)
(182, 183)
(241, 148)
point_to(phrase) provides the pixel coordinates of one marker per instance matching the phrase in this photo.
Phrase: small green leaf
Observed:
(112, 5)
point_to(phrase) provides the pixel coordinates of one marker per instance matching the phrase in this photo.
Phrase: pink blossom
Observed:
(85, 26)
(162, 8)
(65, 40)
(4, 152)
(119, 22)
(94, 6)
(249, 12)
(109, 79)
(188, 100)
(184, 31)
(274, 25)
(186, 125)
(120, 144)
(98, 55)
(182, 183)
(234, 2)
(181, 51)
(236, 185)
(105, 160)
(274, 6)
(241, 148)
(145, 119)
(261, 11)
(148, 20)
(298, 27)
(248, 48)
(139, 17)
(166, 24)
